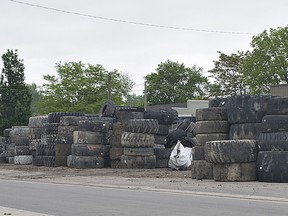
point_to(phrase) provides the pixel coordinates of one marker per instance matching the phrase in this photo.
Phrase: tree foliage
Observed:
(80, 87)
(173, 82)
(228, 76)
(15, 95)
(37, 96)
(135, 100)
(267, 63)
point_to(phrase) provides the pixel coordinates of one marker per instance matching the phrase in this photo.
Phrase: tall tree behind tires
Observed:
(267, 63)
(175, 83)
(228, 76)
(81, 87)
(15, 96)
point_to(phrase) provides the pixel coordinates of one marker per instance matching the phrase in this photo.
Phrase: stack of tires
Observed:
(36, 131)
(161, 150)
(272, 162)
(8, 149)
(123, 115)
(138, 144)
(90, 148)
(211, 124)
(19, 136)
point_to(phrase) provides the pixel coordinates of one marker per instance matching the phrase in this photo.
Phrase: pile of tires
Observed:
(211, 125)
(122, 115)
(273, 143)
(19, 136)
(138, 143)
(7, 147)
(36, 131)
(161, 150)
(90, 148)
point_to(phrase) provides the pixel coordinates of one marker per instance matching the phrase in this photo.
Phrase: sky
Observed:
(108, 32)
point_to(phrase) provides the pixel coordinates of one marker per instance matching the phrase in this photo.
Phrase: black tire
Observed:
(188, 141)
(244, 131)
(162, 153)
(108, 109)
(22, 131)
(278, 106)
(20, 140)
(50, 150)
(65, 134)
(218, 102)
(198, 153)
(247, 109)
(160, 139)
(163, 130)
(116, 153)
(71, 120)
(55, 161)
(100, 126)
(116, 164)
(139, 151)
(38, 161)
(51, 128)
(23, 159)
(22, 150)
(183, 124)
(272, 166)
(164, 117)
(49, 139)
(36, 133)
(62, 149)
(277, 141)
(123, 114)
(274, 123)
(33, 143)
(174, 136)
(37, 121)
(86, 162)
(6, 132)
(118, 129)
(210, 127)
(90, 150)
(211, 114)
(54, 117)
(235, 172)
(150, 126)
(231, 151)
(41, 149)
(88, 137)
(201, 169)
(162, 163)
(138, 162)
(137, 140)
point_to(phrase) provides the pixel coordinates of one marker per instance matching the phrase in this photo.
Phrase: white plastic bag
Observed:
(181, 157)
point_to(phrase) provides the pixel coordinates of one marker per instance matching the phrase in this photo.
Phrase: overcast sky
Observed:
(45, 37)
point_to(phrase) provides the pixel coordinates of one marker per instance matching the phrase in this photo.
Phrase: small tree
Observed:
(267, 63)
(228, 76)
(175, 83)
(15, 95)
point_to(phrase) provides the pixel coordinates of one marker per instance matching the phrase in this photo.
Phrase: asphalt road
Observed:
(70, 200)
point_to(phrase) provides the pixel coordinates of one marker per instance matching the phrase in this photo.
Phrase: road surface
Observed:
(72, 200)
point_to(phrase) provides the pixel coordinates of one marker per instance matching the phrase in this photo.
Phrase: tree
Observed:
(15, 96)
(36, 98)
(175, 83)
(267, 63)
(228, 76)
(80, 87)
(135, 100)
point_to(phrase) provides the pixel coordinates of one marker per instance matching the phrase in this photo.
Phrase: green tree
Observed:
(228, 76)
(15, 98)
(173, 82)
(36, 98)
(135, 100)
(267, 63)
(80, 87)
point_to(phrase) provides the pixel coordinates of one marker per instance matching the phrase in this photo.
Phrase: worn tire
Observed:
(274, 123)
(165, 118)
(277, 141)
(201, 169)
(139, 162)
(71, 120)
(235, 172)
(201, 139)
(138, 151)
(90, 150)
(87, 162)
(94, 126)
(108, 109)
(174, 136)
(54, 117)
(244, 131)
(160, 139)
(38, 161)
(162, 153)
(272, 166)
(123, 114)
(210, 127)
(231, 151)
(23, 159)
(247, 108)
(163, 130)
(198, 153)
(116, 153)
(89, 137)
(150, 126)
(137, 140)
(37, 121)
(162, 162)
(211, 114)
(62, 149)
(22, 150)
(278, 106)
(116, 164)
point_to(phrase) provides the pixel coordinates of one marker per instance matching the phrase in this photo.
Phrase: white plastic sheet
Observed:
(181, 157)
